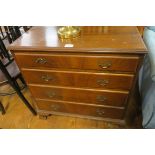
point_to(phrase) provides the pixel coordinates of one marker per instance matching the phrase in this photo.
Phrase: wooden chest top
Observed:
(97, 39)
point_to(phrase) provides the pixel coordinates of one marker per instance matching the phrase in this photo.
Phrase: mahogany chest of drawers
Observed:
(93, 76)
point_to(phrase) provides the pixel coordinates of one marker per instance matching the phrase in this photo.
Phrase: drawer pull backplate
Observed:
(105, 64)
(55, 107)
(41, 60)
(100, 112)
(47, 78)
(101, 98)
(102, 82)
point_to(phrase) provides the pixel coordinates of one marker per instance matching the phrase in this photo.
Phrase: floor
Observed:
(18, 117)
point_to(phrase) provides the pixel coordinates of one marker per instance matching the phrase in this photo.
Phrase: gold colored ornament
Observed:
(66, 32)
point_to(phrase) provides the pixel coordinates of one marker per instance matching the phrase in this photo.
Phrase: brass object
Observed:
(69, 32)
(101, 98)
(47, 78)
(51, 94)
(102, 82)
(55, 107)
(105, 65)
(100, 112)
(41, 60)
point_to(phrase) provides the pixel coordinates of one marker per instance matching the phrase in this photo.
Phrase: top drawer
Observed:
(82, 62)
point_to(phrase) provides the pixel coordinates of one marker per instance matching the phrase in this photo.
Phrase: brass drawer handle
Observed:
(102, 82)
(41, 60)
(100, 112)
(101, 98)
(55, 107)
(47, 78)
(105, 65)
(51, 94)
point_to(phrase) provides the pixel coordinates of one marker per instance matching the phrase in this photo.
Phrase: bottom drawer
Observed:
(80, 109)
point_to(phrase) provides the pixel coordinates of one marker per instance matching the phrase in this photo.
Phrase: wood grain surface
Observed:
(89, 96)
(122, 39)
(78, 79)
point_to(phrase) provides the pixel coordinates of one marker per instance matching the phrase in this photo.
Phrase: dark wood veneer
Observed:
(81, 79)
(94, 96)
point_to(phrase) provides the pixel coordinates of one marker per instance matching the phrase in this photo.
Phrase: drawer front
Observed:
(101, 97)
(78, 79)
(78, 109)
(82, 62)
